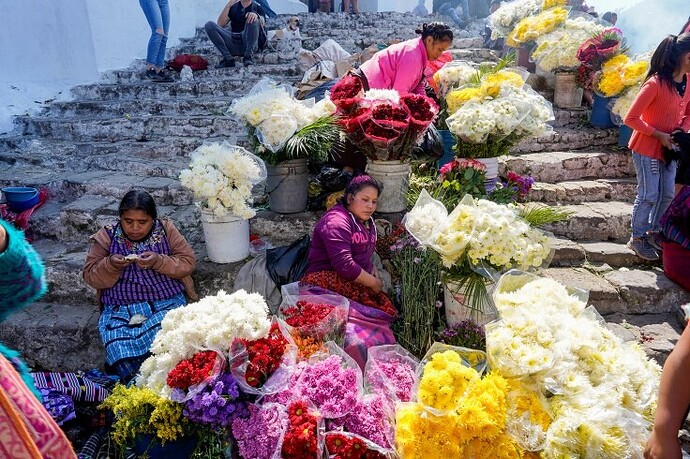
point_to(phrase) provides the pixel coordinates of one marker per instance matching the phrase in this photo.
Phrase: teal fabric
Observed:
(22, 278)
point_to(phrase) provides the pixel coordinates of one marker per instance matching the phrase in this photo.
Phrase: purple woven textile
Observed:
(366, 327)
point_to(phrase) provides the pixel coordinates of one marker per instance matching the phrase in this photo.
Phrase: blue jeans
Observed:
(234, 44)
(655, 190)
(267, 8)
(157, 14)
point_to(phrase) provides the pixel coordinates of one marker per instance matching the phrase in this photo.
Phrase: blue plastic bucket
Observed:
(601, 115)
(448, 142)
(20, 198)
(624, 135)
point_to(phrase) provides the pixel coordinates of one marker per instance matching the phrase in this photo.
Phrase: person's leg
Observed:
(267, 8)
(648, 177)
(346, 6)
(221, 39)
(667, 189)
(164, 9)
(250, 39)
(355, 6)
(465, 10)
(153, 17)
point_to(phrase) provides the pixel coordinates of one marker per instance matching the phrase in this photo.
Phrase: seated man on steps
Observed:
(239, 31)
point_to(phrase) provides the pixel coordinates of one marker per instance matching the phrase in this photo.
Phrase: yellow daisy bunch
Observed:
(491, 86)
(553, 3)
(635, 72)
(419, 434)
(533, 27)
(460, 97)
(445, 381)
(610, 82)
(140, 411)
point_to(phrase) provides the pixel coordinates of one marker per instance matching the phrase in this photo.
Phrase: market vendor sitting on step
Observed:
(141, 267)
(246, 35)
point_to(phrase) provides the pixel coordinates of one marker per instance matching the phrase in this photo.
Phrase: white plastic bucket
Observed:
(395, 178)
(227, 237)
(456, 302)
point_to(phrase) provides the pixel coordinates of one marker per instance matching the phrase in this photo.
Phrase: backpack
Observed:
(194, 61)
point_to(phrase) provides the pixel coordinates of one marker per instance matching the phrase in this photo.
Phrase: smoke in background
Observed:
(645, 22)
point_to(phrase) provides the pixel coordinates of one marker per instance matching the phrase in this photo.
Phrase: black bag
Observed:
(287, 264)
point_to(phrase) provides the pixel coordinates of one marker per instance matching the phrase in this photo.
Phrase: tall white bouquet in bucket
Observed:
(221, 177)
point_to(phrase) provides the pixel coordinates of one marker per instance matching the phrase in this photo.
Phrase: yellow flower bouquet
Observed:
(533, 27)
(557, 50)
(620, 72)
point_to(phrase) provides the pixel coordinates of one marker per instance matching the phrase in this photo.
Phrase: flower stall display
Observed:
(477, 236)
(344, 445)
(303, 435)
(503, 21)
(390, 371)
(490, 116)
(211, 323)
(221, 177)
(260, 435)
(621, 72)
(386, 127)
(286, 133)
(532, 27)
(622, 104)
(601, 392)
(596, 50)
(557, 50)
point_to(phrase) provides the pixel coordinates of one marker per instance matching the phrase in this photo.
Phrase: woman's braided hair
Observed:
(436, 30)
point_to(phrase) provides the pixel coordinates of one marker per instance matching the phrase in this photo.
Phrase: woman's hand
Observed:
(147, 260)
(119, 262)
(376, 285)
(3, 239)
(665, 140)
(659, 447)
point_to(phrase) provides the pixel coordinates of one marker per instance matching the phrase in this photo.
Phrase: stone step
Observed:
(596, 254)
(564, 139)
(578, 191)
(596, 221)
(571, 117)
(189, 106)
(626, 291)
(134, 127)
(221, 82)
(287, 54)
(561, 166)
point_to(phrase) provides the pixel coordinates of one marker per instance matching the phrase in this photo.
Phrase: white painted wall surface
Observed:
(401, 6)
(47, 46)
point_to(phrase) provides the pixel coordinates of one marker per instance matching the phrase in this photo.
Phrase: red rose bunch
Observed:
(346, 93)
(304, 313)
(301, 438)
(349, 446)
(192, 371)
(265, 355)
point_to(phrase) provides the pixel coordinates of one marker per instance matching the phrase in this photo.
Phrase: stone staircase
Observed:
(124, 132)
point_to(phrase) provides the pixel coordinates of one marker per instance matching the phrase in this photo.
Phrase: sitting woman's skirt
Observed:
(357, 292)
(128, 331)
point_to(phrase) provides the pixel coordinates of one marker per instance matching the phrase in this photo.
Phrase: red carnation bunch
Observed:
(301, 438)
(304, 313)
(595, 51)
(342, 446)
(192, 371)
(264, 355)
(320, 321)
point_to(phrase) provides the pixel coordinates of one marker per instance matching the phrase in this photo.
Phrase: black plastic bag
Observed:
(333, 179)
(431, 148)
(287, 264)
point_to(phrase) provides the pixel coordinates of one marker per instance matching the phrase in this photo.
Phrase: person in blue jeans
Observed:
(448, 8)
(157, 14)
(245, 20)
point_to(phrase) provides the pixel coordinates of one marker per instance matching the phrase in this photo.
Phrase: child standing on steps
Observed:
(661, 107)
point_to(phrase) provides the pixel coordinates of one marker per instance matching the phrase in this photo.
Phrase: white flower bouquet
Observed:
(601, 391)
(282, 127)
(491, 116)
(621, 105)
(557, 50)
(211, 323)
(221, 177)
(503, 20)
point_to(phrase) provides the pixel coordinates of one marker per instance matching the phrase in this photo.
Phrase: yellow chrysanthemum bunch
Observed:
(419, 434)
(444, 381)
(553, 3)
(528, 418)
(490, 88)
(139, 411)
(619, 72)
(460, 97)
(533, 27)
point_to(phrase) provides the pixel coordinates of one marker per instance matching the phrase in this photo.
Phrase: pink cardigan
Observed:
(400, 67)
(659, 107)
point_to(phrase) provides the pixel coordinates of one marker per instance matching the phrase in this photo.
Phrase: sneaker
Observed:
(225, 63)
(248, 61)
(642, 248)
(151, 74)
(654, 239)
(163, 77)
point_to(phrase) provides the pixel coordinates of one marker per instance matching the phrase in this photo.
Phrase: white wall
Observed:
(401, 6)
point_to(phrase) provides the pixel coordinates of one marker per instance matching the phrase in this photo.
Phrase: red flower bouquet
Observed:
(597, 50)
(193, 371)
(255, 363)
(346, 93)
(301, 440)
(383, 129)
(342, 445)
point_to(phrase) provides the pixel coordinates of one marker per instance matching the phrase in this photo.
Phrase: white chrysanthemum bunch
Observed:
(221, 177)
(383, 94)
(518, 111)
(211, 323)
(453, 74)
(503, 20)
(602, 391)
(558, 49)
(622, 104)
(276, 115)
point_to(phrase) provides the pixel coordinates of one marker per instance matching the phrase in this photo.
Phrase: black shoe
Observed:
(151, 74)
(225, 63)
(248, 61)
(162, 77)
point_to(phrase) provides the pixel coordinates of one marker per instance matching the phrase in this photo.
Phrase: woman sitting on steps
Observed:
(141, 267)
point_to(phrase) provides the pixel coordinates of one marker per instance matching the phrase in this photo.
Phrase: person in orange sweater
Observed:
(661, 107)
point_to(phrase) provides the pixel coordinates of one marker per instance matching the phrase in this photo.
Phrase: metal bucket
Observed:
(287, 185)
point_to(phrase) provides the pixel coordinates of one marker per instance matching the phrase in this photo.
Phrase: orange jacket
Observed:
(658, 107)
(100, 273)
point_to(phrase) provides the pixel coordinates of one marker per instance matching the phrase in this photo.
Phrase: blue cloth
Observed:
(22, 278)
(655, 190)
(267, 8)
(157, 14)
(123, 340)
